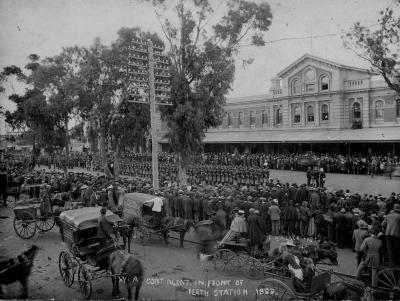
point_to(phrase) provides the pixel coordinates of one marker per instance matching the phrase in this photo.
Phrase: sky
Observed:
(45, 26)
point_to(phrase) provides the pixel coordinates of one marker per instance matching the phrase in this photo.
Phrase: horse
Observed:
(349, 290)
(18, 269)
(320, 253)
(174, 224)
(177, 225)
(126, 267)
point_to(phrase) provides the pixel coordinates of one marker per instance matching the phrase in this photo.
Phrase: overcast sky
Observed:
(45, 26)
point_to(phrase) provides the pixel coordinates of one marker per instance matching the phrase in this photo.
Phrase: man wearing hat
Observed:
(104, 228)
(358, 237)
(275, 214)
(392, 233)
(373, 251)
(340, 226)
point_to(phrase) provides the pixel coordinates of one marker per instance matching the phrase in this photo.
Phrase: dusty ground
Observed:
(164, 264)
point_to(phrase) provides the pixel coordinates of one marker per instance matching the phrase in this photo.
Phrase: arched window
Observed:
(252, 118)
(379, 109)
(296, 88)
(240, 118)
(324, 112)
(278, 116)
(310, 114)
(324, 83)
(398, 108)
(230, 121)
(264, 117)
(356, 110)
(296, 114)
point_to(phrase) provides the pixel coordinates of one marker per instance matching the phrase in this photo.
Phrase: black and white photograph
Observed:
(201, 150)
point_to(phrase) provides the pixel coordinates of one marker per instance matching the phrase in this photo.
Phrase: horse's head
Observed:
(31, 252)
(189, 224)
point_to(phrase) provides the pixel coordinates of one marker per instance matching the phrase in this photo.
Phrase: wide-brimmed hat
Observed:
(241, 212)
(343, 210)
(356, 210)
(289, 243)
(362, 224)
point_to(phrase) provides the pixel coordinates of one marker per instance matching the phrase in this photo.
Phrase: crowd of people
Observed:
(267, 207)
(131, 162)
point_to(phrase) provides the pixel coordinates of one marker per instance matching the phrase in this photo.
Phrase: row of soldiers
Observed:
(209, 174)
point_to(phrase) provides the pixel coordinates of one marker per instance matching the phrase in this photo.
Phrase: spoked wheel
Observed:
(25, 225)
(143, 235)
(85, 283)
(225, 261)
(46, 223)
(389, 282)
(253, 268)
(66, 267)
(274, 289)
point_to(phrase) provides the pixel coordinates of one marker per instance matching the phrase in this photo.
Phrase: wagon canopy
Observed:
(85, 218)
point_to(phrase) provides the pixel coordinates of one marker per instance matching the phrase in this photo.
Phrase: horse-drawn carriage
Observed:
(78, 230)
(140, 221)
(32, 213)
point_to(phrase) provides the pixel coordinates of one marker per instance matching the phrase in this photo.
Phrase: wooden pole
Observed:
(154, 148)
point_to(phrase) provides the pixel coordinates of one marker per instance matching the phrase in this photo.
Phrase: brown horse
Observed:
(174, 224)
(178, 225)
(127, 268)
(18, 269)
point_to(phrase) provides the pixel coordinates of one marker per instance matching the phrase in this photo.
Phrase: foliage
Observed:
(203, 65)
(380, 47)
(104, 80)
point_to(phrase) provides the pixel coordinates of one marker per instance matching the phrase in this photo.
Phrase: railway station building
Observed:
(315, 105)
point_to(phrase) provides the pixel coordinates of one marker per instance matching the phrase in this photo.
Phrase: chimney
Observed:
(275, 83)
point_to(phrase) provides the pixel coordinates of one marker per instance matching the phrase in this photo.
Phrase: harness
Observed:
(16, 261)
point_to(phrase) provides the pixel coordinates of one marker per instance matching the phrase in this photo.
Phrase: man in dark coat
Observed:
(255, 231)
(340, 226)
(196, 206)
(290, 216)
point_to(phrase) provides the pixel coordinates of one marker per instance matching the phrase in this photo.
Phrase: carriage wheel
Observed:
(143, 235)
(66, 268)
(274, 289)
(253, 268)
(389, 282)
(225, 261)
(85, 283)
(25, 226)
(46, 223)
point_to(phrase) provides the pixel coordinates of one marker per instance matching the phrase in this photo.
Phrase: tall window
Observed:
(240, 118)
(324, 112)
(324, 83)
(252, 118)
(296, 114)
(379, 109)
(230, 121)
(356, 110)
(278, 116)
(296, 88)
(398, 108)
(310, 114)
(264, 117)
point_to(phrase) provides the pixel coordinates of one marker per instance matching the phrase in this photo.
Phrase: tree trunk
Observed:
(116, 160)
(182, 175)
(66, 148)
(103, 154)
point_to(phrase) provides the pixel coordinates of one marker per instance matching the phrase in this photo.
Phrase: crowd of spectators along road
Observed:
(270, 208)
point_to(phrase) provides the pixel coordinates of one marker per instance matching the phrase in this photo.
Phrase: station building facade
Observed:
(314, 105)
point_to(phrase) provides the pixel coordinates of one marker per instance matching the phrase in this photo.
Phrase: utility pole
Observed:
(149, 84)
(154, 143)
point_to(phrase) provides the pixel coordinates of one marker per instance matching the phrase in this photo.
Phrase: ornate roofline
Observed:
(326, 62)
